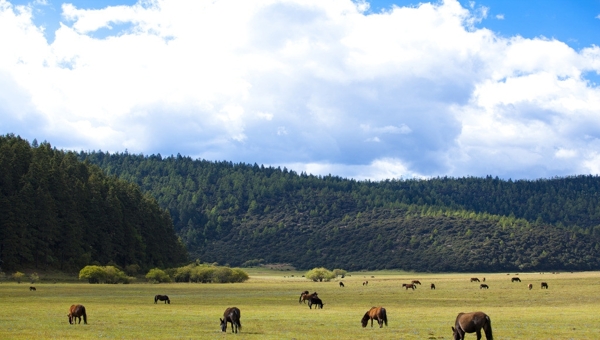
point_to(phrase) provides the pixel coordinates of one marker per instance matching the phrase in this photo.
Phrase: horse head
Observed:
(223, 325)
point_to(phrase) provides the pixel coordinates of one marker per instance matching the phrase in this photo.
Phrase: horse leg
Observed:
(478, 332)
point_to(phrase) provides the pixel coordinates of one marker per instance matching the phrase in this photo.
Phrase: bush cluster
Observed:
(104, 274)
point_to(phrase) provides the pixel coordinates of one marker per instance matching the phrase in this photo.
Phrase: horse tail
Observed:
(487, 328)
(84, 315)
(384, 315)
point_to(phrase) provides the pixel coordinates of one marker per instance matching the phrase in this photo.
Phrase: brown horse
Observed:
(474, 279)
(341, 284)
(375, 313)
(432, 286)
(483, 285)
(162, 298)
(409, 285)
(472, 323)
(233, 315)
(544, 285)
(32, 288)
(366, 283)
(77, 311)
(306, 296)
(416, 282)
(515, 279)
(530, 286)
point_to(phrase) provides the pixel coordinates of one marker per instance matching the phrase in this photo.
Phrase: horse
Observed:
(162, 298)
(416, 282)
(306, 296)
(32, 288)
(365, 283)
(472, 323)
(77, 311)
(375, 313)
(483, 285)
(432, 286)
(544, 285)
(315, 301)
(530, 286)
(233, 315)
(409, 285)
(474, 279)
(341, 284)
(515, 279)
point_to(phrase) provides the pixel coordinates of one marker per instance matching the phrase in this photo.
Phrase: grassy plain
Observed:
(569, 309)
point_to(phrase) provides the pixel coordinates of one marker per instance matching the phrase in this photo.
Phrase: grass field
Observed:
(569, 309)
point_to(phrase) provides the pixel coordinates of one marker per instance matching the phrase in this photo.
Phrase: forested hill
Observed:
(59, 213)
(243, 214)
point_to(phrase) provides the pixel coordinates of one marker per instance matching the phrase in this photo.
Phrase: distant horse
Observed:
(432, 286)
(306, 296)
(472, 323)
(162, 298)
(515, 279)
(544, 285)
(31, 288)
(233, 315)
(341, 284)
(474, 279)
(483, 285)
(409, 285)
(375, 313)
(530, 286)
(365, 283)
(77, 311)
(416, 282)
(315, 301)
(484, 279)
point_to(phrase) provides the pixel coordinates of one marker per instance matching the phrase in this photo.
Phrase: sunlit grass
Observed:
(270, 308)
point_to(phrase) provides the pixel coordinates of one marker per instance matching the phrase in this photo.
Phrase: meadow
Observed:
(569, 309)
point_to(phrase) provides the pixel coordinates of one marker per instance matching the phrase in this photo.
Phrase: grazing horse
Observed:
(162, 298)
(472, 323)
(341, 284)
(474, 279)
(77, 311)
(233, 315)
(409, 285)
(315, 301)
(515, 279)
(306, 296)
(432, 286)
(530, 286)
(365, 283)
(544, 285)
(375, 313)
(416, 282)
(483, 285)
(31, 288)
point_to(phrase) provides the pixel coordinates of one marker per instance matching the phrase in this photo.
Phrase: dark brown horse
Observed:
(474, 279)
(472, 323)
(366, 283)
(409, 285)
(432, 286)
(544, 285)
(77, 311)
(515, 279)
(341, 284)
(530, 286)
(483, 285)
(315, 301)
(162, 298)
(305, 296)
(233, 315)
(32, 288)
(377, 313)
(416, 282)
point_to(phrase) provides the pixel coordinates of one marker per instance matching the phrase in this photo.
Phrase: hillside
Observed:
(240, 213)
(59, 213)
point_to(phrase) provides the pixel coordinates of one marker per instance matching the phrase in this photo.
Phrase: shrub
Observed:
(34, 277)
(158, 275)
(319, 274)
(18, 276)
(99, 274)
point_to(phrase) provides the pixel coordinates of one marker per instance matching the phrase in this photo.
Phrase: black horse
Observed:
(162, 298)
(315, 301)
(233, 315)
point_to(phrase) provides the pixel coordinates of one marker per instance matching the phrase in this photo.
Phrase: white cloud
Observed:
(321, 85)
(500, 16)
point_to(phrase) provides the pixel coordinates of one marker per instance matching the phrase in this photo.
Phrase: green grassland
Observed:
(569, 309)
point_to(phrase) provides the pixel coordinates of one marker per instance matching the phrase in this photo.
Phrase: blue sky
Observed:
(393, 89)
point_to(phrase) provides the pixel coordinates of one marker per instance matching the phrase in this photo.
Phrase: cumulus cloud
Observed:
(318, 86)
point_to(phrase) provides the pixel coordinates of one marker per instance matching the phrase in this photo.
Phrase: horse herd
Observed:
(472, 322)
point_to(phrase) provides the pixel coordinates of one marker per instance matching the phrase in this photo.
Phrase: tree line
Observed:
(57, 212)
(236, 213)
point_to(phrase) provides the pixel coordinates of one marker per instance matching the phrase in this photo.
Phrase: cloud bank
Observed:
(317, 86)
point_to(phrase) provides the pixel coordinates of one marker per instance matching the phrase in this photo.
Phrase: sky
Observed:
(359, 89)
